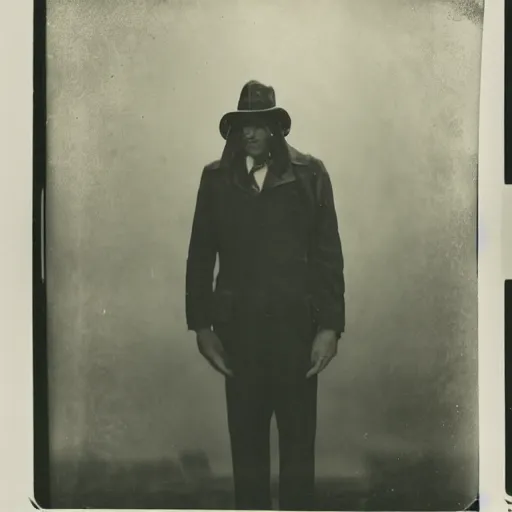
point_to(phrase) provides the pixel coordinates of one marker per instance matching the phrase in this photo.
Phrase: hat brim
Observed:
(277, 113)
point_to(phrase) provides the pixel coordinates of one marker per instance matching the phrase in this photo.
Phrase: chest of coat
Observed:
(274, 217)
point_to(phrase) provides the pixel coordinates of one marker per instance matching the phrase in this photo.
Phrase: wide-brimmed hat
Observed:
(256, 98)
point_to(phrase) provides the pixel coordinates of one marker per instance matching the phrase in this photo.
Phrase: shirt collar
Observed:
(249, 163)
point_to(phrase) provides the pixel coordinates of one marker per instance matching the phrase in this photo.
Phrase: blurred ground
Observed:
(422, 484)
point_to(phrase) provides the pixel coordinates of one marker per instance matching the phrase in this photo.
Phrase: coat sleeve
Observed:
(327, 259)
(202, 254)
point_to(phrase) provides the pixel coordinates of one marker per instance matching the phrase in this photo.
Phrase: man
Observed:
(274, 319)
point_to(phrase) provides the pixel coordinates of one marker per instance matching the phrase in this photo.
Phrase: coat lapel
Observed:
(299, 162)
(273, 179)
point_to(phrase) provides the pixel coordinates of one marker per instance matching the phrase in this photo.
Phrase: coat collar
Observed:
(298, 158)
(298, 162)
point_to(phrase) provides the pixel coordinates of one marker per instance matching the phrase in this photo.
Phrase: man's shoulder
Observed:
(214, 172)
(212, 166)
(307, 161)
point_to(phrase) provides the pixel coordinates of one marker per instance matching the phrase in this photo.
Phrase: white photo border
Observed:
(495, 259)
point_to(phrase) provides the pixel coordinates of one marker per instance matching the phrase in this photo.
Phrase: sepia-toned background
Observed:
(386, 94)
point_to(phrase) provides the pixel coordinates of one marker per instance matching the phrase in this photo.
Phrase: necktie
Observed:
(255, 168)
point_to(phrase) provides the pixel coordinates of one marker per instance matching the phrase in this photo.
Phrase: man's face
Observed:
(256, 137)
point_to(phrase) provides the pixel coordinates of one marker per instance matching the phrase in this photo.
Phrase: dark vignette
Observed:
(40, 356)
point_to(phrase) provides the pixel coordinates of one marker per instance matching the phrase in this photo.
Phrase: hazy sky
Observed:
(385, 93)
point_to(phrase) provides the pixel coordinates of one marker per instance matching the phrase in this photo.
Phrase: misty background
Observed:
(386, 94)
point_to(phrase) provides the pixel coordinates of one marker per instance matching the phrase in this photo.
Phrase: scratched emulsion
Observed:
(386, 93)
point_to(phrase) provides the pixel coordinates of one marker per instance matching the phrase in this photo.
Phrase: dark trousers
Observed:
(270, 364)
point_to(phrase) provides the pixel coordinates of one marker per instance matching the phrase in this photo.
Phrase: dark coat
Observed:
(279, 253)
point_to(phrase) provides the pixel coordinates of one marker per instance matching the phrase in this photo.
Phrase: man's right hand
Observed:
(212, 350)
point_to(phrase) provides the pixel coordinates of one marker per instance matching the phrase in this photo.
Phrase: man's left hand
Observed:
(325, 347)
